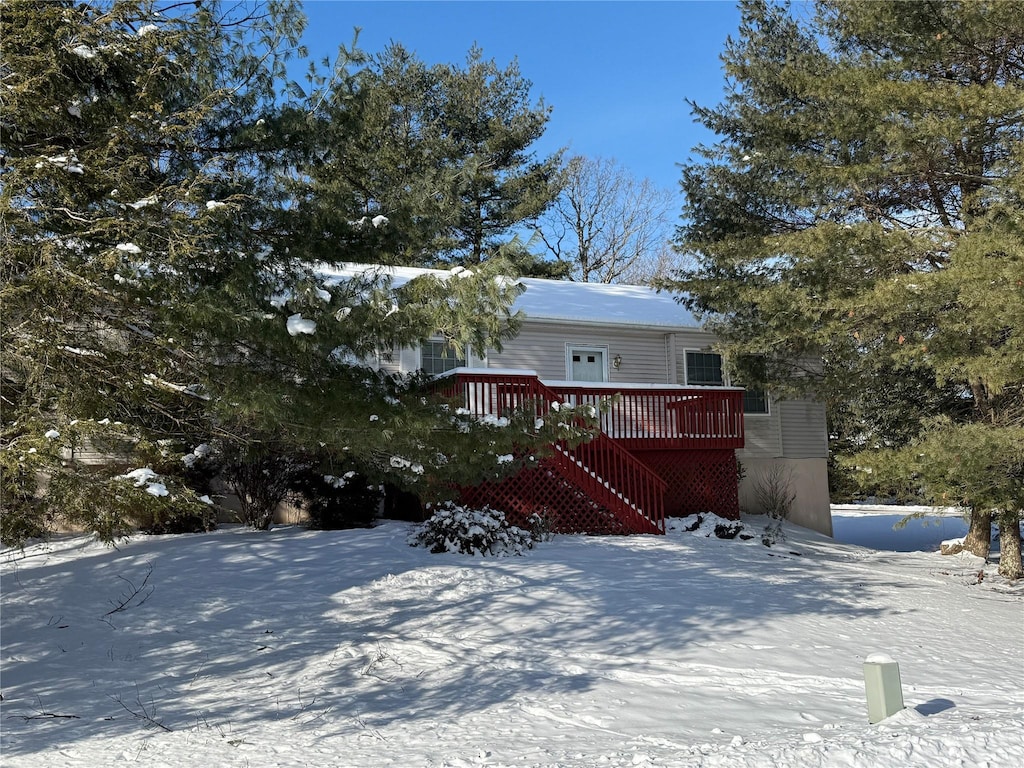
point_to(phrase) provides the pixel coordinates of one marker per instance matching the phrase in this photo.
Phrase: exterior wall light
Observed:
(617, 362)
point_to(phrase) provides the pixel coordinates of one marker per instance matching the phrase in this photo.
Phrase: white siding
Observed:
(804, 429)
(541, 347)
(762, 435)
(395, 361)
(793, 429)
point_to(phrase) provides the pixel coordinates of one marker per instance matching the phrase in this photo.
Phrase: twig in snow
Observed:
(133, 593)
(141, 713)
(199, 671)
(303, 707)
(382, 655)
(48, 716)
(42, 714)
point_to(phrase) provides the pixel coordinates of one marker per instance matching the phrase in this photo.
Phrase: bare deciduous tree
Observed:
(608, 225)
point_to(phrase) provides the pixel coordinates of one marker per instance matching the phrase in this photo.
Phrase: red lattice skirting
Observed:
(545, 492)
(698, 481)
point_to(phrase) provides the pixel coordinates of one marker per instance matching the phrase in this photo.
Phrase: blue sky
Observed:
(616, 73)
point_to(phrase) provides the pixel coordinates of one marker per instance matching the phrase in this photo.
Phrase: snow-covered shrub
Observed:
(180, 515)
(540, 527)
(457, 529)
(707, 524)
(140, 499)
(44, 488)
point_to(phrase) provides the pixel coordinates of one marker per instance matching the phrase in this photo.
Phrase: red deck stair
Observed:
(618, 481)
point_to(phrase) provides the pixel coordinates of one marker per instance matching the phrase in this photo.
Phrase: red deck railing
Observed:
(641, 417)
(609, 473)
(638, 418)
(648, 418)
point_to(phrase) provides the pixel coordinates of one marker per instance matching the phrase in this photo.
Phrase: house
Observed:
(678, 438)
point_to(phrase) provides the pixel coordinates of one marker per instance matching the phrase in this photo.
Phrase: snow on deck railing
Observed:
(641, 415)
(664, 416)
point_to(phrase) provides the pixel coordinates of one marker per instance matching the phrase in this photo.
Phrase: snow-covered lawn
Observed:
(350, 648)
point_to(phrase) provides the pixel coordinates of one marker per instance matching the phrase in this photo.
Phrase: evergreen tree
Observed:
(442, 151)
(152, 299)
(489, 125)
(368, 154)
(864, 206)
(131, 209)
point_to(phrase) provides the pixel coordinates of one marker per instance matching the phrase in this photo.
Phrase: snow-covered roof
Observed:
(601, 303)
(565, 301)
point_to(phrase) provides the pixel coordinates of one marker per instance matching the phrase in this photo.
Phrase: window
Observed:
(704, 369)
(755, 401)
(437, 357)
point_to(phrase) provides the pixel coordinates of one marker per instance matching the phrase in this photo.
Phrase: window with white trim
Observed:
(705, 369)
(755, 401)
(438, 357)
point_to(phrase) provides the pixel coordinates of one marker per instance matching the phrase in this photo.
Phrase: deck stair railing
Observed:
(603, 467)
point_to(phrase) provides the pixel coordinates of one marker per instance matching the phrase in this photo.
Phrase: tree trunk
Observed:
(1009, 549)
(979, 536)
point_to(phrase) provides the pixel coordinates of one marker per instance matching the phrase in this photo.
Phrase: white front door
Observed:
(587, 364)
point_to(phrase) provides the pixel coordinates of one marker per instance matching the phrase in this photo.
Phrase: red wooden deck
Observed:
(661, 450)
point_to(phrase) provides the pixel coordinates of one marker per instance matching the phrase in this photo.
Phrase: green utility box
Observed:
(882, 684)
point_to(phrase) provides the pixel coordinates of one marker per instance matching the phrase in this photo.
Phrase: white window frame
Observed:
(438, 340)
(686, 367)
(726, 380)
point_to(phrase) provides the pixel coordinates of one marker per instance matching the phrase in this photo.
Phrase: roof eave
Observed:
(613, 323)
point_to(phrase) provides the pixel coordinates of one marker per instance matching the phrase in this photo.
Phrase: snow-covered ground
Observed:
(349, 648)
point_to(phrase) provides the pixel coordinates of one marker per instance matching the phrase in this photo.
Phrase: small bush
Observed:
(181, 518)
(540, 527)
(471, 532)
(775, 497)
(115, 507)
(261, 478)
(337, 502)
(773, 491)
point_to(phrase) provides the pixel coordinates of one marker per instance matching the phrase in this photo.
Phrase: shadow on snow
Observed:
(359, 630)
